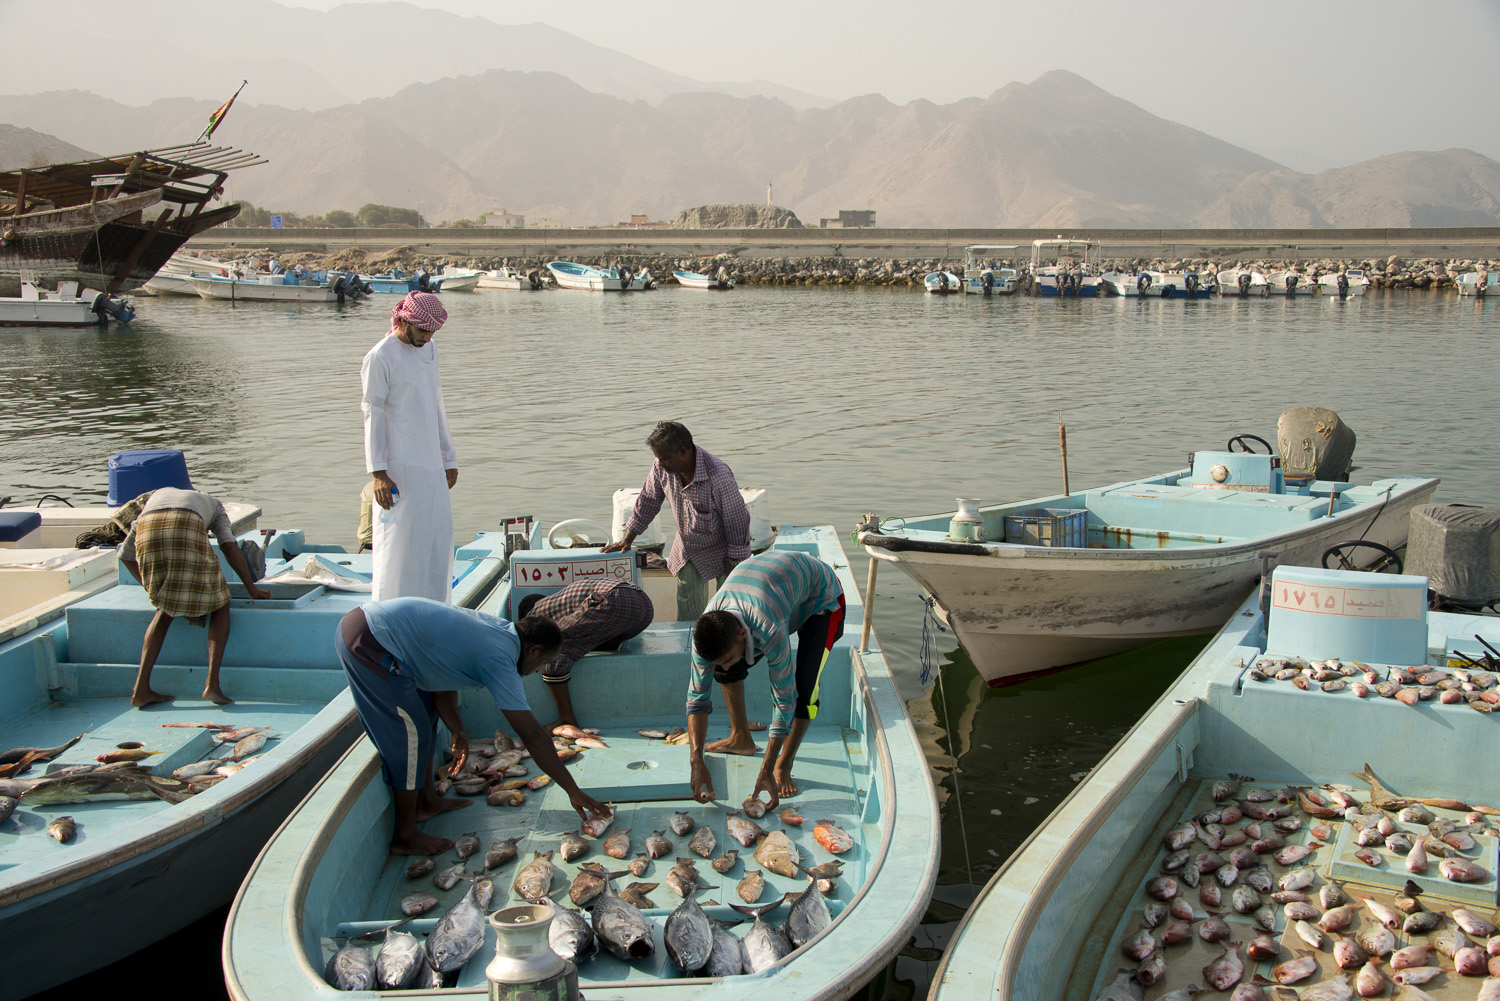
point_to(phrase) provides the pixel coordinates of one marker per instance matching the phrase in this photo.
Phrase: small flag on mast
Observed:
(218, 116)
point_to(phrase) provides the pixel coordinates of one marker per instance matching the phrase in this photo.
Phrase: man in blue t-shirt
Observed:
(405, 659)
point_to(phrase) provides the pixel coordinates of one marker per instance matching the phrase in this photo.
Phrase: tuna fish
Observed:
(400, 957)
(766, 945)
(458, 934)
(726, 957)
(570, 935)
(688, 936)
(622, 929)
(352, 968)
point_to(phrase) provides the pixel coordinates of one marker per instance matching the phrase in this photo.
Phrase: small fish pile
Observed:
(1254, 861)
(1477, 689)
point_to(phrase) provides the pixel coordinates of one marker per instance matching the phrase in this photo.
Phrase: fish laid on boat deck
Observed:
(327, 875)
(1362, 851)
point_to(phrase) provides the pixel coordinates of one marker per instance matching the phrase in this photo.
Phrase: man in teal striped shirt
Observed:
(764, 600)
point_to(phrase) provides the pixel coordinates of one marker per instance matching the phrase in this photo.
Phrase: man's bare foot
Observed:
(784, 785)
(148, 697)
(733, 745)
(755, 727)
(419, 844)
(427, 809)
(217, 696)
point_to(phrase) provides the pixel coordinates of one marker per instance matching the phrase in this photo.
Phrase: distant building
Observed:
(640, 222)
(504, 219)
(850, 219)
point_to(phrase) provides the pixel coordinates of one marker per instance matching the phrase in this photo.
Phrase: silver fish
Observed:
(466, 845)
(808, 916)
(1417, 974)
(1462, 870)
(247, 746)
(1152, 969)
(1298, 879)
(1313, 935)
(352, 968)
(766, 945)
(418, 903)
(1213, 929)
(1260, 879)
(1263, 947)
(703, 842)
(400, 956)
(570, 935)
(458, 934)
(1421, 923)
(1337, 918)
(1412, 955)
(1448, 941)
(1331, 895)
(1377, 940)
(726, 957)
(1472, 923)
(1244, 900)
(687, 935)
(622, 928)
(1162, 887)
(447, 878)
(1336, 989)
(1382, 913)
(681, 824)
(1348, 955)
(1155, 914)
(1369, 981)
(657, 845)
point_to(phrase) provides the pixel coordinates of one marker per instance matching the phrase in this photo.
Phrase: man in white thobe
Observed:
(409, 455)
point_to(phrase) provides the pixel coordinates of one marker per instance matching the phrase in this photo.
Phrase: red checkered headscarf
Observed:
(421, 308)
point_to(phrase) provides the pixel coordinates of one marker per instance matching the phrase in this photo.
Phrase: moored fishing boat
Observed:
(1345, 795)
(1479, 283)
(693, 279)
(457, 281)
(509, 278)
(1347, 283)
(320, 286)
(327, 874)
(1031, 586)
(1065, 268)
(172, 278)
(943, 283)
(1290, 283)
(150, 850)
(1242, 282)
(1124, 284)
(1172, 285)
(983, 273)
(581, 277)
(69, 306)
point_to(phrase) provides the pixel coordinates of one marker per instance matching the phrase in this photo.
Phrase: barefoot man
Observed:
(764, 600)
(405, 659)
(167, 550)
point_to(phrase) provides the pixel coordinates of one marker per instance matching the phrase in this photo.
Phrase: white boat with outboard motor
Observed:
(1242, 282)
(1035, 585)
(1478, 283)
(513, 280)
(984, 273)
(942, 283)
(319, 286)
(68, 306)
(1062, 267)
(1286, 281)
(1274, 819)
(719, 281)
(866, 795)
(1347, 283)
(583, 278)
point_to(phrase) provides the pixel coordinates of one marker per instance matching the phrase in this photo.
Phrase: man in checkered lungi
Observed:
(593, 615)
(167, 550)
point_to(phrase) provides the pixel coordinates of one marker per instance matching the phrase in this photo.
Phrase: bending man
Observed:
(763, 602)
(405, 659)
(592, 615)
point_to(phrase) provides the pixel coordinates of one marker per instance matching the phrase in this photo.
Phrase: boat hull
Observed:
(235, 290)
(1025, 610)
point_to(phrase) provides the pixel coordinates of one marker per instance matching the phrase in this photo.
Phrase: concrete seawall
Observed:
(948, 245)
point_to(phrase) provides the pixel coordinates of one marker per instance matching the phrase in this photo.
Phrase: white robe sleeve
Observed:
(373, 378)
(445, 438)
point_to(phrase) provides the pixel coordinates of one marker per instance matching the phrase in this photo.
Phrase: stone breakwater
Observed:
(1391, 272)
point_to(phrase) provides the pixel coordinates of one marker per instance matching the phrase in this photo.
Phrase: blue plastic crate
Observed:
(1055, 527)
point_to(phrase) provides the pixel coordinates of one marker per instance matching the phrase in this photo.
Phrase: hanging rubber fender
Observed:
(1143, 283)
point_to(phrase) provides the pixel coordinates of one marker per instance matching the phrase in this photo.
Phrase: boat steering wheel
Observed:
(1244, 442)
(1340, 557)
(576, 541)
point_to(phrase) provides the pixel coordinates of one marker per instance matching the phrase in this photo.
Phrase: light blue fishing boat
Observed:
(943, 283)
(398, 282)
(1035, 585)
(581, 277)
(327, 874)
(1229, 739)
(158, 863)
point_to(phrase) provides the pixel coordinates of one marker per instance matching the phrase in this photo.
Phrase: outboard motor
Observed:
(1191, 283)
(988, 281)
(1314, 444)
(340, 288)
(1291, 283)
(1067, 282)
(625, 277)
(1457, 548)
(534, 278)
(1343, 284)
(1143, 283)
(1244, 282)
(424, 282)
(107, 309)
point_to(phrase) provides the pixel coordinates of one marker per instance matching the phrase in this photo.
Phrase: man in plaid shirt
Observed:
(593, 615)
(713, 524)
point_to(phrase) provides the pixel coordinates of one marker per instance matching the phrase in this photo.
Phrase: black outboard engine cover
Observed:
(1457, 548)
(1314, 444)
(424, 282)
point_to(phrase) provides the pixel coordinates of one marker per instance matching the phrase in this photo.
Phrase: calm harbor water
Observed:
(839, 401)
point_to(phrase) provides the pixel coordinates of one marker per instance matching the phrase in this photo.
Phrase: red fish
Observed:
(832, 837)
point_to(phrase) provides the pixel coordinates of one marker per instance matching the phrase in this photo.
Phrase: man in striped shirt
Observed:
(593, 615)
(765, 600)
(713, 524)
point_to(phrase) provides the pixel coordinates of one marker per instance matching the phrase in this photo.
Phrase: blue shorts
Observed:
(399, 717)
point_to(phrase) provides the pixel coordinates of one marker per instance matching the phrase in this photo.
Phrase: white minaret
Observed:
(768, 194)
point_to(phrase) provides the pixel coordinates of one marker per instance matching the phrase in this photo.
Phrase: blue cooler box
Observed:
(133, 473)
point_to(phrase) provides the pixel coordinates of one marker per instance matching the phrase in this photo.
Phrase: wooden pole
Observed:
(1062, 443)
(864, 633)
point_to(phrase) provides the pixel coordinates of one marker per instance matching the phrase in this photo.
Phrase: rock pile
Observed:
(737, 217)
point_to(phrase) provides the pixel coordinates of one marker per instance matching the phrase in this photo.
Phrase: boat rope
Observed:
(930, 628)
(958, 794)
(1386, 500)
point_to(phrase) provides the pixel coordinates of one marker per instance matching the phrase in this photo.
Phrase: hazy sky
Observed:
(1310, 83)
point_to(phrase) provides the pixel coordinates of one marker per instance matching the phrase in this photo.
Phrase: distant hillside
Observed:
(25, 148)
(1055, 153)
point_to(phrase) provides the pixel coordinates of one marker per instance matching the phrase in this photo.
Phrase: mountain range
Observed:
(617, 138)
